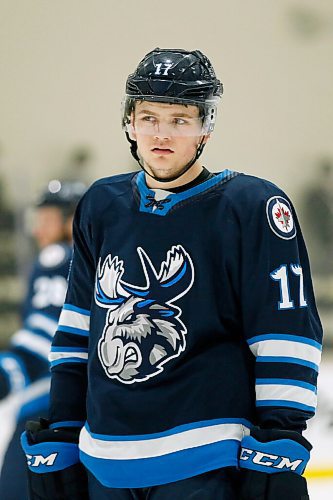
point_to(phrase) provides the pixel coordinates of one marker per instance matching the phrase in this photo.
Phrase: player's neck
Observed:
(186, 178)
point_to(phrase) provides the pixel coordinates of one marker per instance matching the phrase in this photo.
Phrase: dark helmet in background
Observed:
(64, 195)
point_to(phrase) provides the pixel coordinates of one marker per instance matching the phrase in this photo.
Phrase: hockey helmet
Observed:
(174, 76)
(62, 194)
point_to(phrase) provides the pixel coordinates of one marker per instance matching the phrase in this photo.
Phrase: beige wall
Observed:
(63, 64)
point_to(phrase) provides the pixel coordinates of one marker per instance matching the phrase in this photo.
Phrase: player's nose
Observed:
(163, 131)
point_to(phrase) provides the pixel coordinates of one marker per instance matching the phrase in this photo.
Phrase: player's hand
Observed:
(55, 472)
(40, 432)
(271, 463)
(49, 450)
(280, 486)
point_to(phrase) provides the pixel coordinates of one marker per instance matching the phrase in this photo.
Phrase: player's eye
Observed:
(180, 121)
(149, 119)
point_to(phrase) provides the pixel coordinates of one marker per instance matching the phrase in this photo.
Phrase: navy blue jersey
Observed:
(26, 360)
(189, 317)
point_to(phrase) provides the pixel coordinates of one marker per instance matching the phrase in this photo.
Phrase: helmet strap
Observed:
(134, 152)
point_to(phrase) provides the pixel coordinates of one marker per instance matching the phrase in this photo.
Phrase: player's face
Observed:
(167, 136)
(49, 226)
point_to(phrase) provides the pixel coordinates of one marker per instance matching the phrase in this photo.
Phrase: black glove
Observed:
(55, 472)
(271, 463)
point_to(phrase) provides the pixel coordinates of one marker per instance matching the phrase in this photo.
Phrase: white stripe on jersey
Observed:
(146, 448)
(286, 348)
(32, 342)
(42, 322)
(266, 392)
(54, 356)
(14, 370)
(74, 319)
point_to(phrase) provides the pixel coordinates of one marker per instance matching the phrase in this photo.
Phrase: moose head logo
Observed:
(142, 330)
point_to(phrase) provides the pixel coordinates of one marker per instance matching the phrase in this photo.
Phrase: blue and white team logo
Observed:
(143, 330)
(280, 217)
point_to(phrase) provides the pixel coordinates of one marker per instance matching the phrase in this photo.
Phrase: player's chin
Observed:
(161, 167)
(162, 173)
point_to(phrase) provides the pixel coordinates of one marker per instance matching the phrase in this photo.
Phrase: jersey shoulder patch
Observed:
(280, 217)
(53, 256)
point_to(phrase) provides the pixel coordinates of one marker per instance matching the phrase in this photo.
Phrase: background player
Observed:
(24, 367)
(189, 341)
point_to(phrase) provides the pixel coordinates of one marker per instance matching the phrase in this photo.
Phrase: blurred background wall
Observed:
(63, 67)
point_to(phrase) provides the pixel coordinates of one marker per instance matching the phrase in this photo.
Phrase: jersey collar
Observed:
(159, 205)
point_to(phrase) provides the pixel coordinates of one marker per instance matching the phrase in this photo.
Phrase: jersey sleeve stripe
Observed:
(71, 359)
(290, 393)
(289, 404)
(75, 331)
(282, 381)
(74, 320)
(32, 342)
(42, 322)
(287, 348)
(287, 337)
(14, 370)
(69, 349)
(70, 307)
(284, 370)
(286, 359)
(54, 356)
(39, 332)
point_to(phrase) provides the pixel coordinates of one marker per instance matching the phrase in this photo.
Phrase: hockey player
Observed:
(188, 346)
(24, 367)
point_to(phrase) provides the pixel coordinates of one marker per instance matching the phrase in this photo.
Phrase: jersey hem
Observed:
(142, 473)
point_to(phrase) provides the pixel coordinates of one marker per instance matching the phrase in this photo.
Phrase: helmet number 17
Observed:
(163, 68)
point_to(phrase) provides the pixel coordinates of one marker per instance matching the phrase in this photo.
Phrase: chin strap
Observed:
(134, 152)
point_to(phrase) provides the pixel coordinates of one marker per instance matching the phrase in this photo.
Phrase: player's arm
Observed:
(26, 358)
(69, 350)
(283, 332)
(69, 356)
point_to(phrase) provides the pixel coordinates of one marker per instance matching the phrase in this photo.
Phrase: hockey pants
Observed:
(219, 484)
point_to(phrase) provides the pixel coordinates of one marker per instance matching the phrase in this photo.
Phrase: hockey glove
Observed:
(54, 470)
(271, 463)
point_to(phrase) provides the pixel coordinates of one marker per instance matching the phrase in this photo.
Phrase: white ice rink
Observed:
(321, 489)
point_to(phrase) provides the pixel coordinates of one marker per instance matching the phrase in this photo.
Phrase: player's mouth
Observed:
(162, 151)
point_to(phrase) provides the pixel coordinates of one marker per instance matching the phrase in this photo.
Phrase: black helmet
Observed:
(176, 76)
(62, 194)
